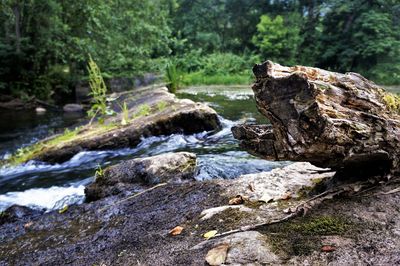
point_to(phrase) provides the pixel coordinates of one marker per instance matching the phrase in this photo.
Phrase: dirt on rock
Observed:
(362, 229)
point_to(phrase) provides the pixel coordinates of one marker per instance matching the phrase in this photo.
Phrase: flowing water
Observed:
(41, 185)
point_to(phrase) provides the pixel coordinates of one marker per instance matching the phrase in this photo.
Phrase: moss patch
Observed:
(3, 217)
(392, 101)
(28, 153)
(302, 236)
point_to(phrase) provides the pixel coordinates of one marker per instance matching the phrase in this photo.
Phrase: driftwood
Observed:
(340, 121)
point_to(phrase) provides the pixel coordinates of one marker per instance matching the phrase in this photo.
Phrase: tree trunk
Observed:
(17, 14)
(341, 121)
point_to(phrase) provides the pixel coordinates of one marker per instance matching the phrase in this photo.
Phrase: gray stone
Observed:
(40, 110)
(72, 107)
(168, 167)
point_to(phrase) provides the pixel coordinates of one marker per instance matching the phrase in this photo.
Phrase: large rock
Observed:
(264, 192)
(340, 121)
(169, 167)
(152, 111)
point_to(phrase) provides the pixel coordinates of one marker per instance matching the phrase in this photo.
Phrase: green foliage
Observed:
(172, 77)
(99, 174)
(216, 68)
(39, 40)
(143, 110)
(67, 135)
(275, 40)
(363, 37)
(201, 78)
(161, 105)
(44, 44)
(25, 154)
(98, 91)
(125, 114)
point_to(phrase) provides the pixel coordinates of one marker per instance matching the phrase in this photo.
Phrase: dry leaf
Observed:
(236, 200)
(63, 209)
(286, 196)
(176, 231)
(210, 234)
(328, 248)
(217, 255)
(27, 225)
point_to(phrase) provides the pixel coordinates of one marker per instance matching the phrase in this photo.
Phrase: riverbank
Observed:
(131, 222)
(117, 230)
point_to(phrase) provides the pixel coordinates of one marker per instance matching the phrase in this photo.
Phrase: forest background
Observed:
(45, 44)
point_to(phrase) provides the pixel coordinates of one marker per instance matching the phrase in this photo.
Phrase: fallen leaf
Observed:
(176, 231)
(236, 200)
(217, 255)
(328, 248)
(63, 209)
(286, 196)
(27, 225)
(210, 234)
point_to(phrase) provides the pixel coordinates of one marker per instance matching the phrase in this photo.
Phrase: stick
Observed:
(390, 191)
(255, 226)
(298, 210)
(133, 196)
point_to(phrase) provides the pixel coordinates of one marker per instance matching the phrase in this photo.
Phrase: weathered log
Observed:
(340, 121)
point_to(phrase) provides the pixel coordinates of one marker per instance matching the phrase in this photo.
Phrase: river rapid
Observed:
(51, 186)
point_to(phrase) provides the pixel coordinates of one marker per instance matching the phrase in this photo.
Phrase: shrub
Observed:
(98, 90)
(173, 77)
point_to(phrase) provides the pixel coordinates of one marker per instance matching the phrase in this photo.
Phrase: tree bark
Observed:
(341, 121)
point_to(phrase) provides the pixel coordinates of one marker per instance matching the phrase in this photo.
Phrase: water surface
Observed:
(42, 185)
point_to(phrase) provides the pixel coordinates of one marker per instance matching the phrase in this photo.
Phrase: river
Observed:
(41, 185)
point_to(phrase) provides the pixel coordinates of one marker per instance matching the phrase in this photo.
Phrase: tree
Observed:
(358, 35)
(46, 43)
(275, 40)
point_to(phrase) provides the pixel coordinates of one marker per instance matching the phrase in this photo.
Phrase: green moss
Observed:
(28, 153)
(143, 110)
(324, 225)
(3, 215)
(392, 101)
(302, 236)
(161, 105)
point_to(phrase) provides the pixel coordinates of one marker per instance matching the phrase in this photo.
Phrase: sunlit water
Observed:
(50, 186)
